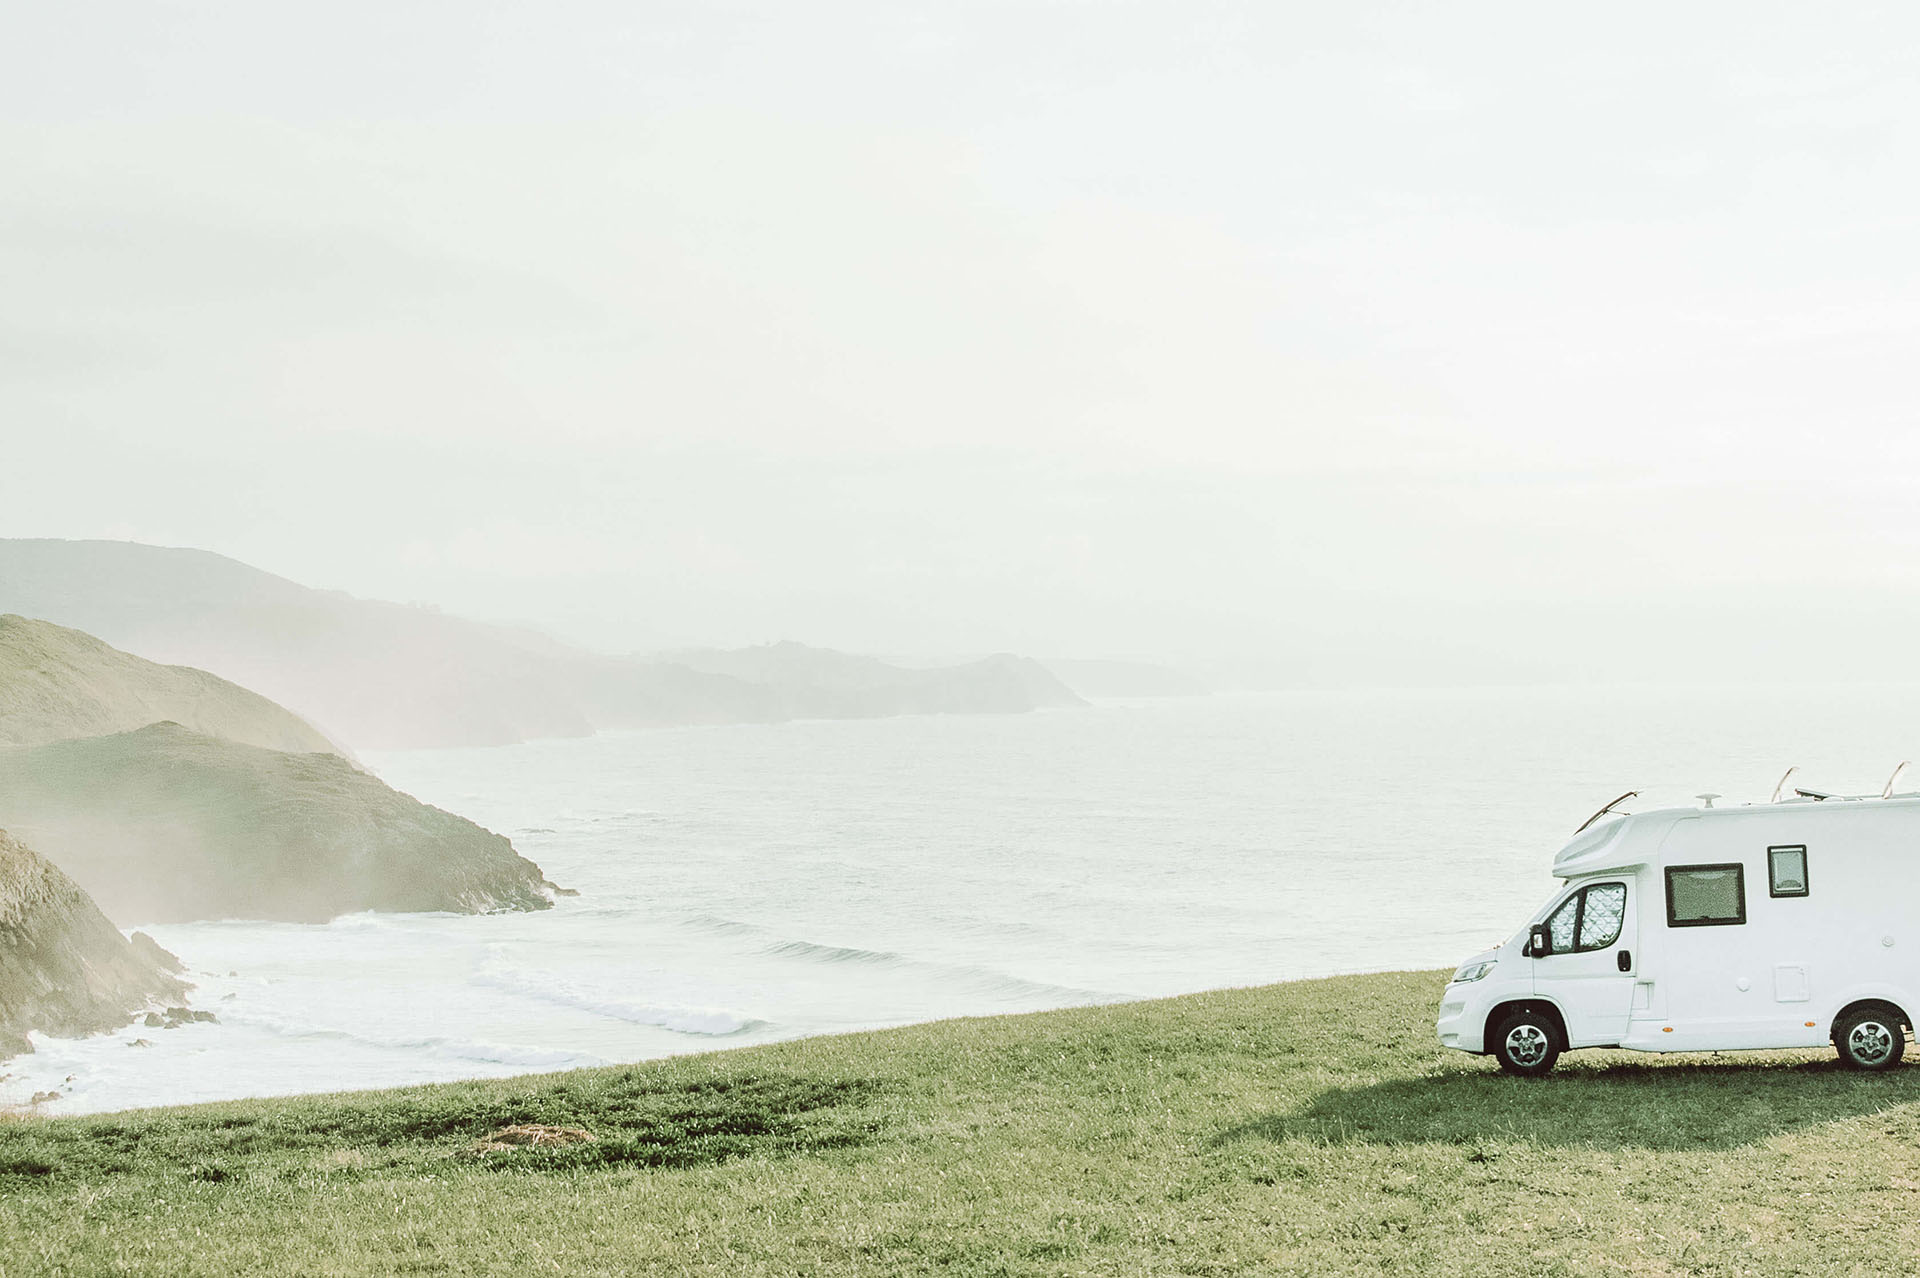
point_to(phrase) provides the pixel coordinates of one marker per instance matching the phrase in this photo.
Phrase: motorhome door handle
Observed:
(1626, 960)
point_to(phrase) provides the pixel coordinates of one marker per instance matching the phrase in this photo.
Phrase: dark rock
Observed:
(64, 969)
(178, 1016)
(150, 949)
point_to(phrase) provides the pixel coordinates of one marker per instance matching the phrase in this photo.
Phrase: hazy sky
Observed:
(1366, 342)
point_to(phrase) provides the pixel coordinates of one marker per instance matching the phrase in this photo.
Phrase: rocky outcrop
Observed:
(167, 825)
(57, 683)
(64, 969)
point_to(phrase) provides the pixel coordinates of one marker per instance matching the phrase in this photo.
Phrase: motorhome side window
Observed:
(1787, 870)
(1589, 919)
(1706, 895)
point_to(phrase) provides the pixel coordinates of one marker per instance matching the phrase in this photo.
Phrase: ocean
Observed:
(743, 884)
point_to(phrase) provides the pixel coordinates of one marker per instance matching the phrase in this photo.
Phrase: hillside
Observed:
(373, 675)
(57, 683)
(1310, 1128)
(384, 676)
(64, 969)
(166, 825)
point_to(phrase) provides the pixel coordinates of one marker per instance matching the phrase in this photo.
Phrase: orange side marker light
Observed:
(1809, 1024)
(1666, 1029)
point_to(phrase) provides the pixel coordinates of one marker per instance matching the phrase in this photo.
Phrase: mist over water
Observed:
(747, 883)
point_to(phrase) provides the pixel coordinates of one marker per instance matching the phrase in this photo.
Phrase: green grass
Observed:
(1312, 1128)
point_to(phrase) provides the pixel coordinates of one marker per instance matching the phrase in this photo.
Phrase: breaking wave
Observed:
(835, 953)
(974, 979)
(723, 927)
(445, 1047)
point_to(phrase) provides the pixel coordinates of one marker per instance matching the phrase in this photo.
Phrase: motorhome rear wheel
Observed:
(1870, 1038)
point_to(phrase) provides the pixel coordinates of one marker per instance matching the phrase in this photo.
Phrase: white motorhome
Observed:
(1770, 925)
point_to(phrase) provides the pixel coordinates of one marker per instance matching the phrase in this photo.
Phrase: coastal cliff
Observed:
(168, 825)
(57, 683)
(64, 969)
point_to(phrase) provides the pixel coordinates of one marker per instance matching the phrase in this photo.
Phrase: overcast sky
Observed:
(1363, 343)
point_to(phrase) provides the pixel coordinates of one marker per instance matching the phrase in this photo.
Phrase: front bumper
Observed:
(1462, 1022)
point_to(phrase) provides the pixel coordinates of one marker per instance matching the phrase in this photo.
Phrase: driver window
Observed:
(1600, 917)
(1590, 919)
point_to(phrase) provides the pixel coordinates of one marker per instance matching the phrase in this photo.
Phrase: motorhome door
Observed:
(1589, 967)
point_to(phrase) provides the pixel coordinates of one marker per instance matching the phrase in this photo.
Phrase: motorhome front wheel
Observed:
(1527, 1043)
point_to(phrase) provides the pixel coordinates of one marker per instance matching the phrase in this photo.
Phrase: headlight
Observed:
(1473, 972)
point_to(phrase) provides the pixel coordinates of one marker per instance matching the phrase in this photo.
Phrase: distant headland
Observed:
(375, 675)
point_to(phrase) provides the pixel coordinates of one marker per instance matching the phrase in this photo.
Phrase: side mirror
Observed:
(1539, 941)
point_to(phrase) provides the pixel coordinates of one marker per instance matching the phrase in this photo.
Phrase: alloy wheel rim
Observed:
(1526, 1044)
(1870, 1042)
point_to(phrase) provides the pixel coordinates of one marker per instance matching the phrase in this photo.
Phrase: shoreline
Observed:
(1305, 1127)
(47, 1047)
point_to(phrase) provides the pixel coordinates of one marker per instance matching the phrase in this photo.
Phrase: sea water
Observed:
(743, 884)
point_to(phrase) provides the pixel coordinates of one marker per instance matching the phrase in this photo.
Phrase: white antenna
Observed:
(1706, 798)
(1781, 789)
(1888, 792)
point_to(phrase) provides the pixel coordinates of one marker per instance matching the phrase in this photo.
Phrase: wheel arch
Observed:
(1543, 1006)
(1876, 1002)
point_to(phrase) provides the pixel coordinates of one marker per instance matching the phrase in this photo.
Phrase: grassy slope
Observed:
(57, 683)
(1307, 1128)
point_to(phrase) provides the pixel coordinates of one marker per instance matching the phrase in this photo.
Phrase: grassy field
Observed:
(1310, 1128)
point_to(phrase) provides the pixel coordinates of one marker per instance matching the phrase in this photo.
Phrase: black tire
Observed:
(1526, 1043)
(1870, 1038)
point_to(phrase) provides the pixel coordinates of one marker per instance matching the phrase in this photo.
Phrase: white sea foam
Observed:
(325, 1037)
(545, 986)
